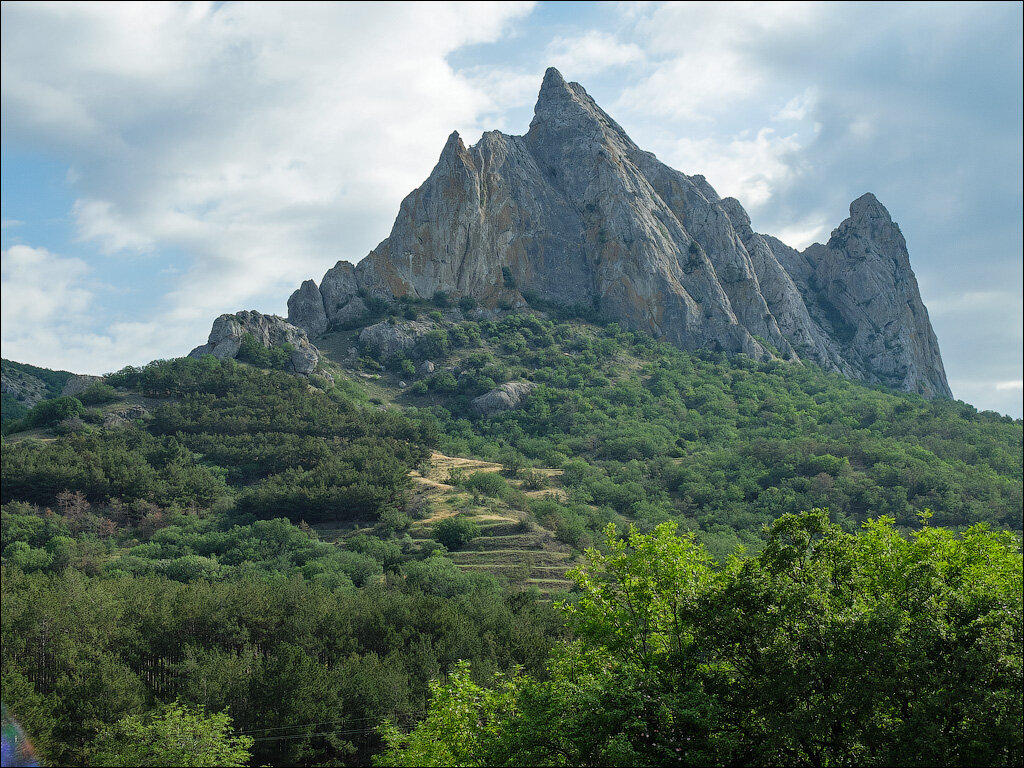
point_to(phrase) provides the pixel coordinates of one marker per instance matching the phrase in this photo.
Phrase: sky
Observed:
(163, 163)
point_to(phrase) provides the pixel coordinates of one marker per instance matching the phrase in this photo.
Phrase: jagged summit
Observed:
(574, 212)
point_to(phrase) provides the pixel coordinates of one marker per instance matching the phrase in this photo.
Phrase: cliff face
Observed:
(575, 213)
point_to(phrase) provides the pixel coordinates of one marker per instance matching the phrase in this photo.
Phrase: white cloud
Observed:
(262, 140)
(1003, 386)
(799, 107)
(49, 305)
(590, 53)
(39, 287)
(45, 301)
(707, 55)
(99, 220)
(744, 168)
(803, 233)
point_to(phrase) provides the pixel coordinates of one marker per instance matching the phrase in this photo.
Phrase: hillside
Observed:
(236, 536)
(574, 468)
(646, 433)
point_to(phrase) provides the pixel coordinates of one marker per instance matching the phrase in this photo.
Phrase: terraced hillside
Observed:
(510, 544)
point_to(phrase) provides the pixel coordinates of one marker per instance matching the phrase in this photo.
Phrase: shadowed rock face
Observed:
(575, 213)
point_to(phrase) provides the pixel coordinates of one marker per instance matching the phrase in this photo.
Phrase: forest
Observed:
(758, 546)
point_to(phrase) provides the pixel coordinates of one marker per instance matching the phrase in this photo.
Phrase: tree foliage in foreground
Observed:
(827, 648)
(176, 735)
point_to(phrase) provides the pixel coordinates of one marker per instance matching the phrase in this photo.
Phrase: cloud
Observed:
(748, 169)
(264, 141)
(590, 53)
(39, 287)
(44, 299)
(49, 305)
(707, 54)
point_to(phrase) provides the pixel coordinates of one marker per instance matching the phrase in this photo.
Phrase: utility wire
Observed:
(329, 722)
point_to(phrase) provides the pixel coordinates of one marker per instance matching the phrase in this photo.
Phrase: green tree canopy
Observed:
(176, 735)
(827, 648)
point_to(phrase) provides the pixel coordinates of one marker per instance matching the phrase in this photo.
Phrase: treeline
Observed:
(824, 649)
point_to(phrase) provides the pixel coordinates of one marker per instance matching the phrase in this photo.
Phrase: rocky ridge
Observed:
(573, 212)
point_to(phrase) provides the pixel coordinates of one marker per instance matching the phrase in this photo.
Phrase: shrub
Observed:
(98, 393)
(534, 480)
(455, 532)
(487, 483)
(50, 412)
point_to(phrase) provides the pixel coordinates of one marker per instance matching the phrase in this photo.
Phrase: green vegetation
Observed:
(252, 351)
(50, 382)
(455, 532)
(173, 736)
(825, 649)
(722, 445)
(227, 550)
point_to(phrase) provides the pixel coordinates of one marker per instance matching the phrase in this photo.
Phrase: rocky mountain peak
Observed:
(565, 112)
(866, 207)
(573, 212)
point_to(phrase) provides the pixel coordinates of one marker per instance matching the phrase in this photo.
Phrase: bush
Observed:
(50, 412)
(98, 393)
(487, 483)
(467, 303)
(455, 532)
(534, 480)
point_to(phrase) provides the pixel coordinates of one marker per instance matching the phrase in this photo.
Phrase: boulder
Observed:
(502, 398)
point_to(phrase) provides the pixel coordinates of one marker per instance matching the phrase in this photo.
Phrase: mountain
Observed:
(574, 213)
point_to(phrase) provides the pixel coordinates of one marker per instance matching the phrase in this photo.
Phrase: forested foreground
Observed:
(825, 649)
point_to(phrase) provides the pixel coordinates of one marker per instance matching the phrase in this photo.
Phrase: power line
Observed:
(327, 722)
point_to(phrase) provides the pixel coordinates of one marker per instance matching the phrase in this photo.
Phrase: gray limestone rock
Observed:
(574, 213)
(502, 398)
(306, 309)
(78, 383)
(861, 290)
(125, 416)
(269, 330)
(24, 387)
(388, 338)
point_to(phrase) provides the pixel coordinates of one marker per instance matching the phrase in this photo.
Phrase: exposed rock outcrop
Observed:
(23, 387)
(390, 338)
(860, 289)
(78, 383)
(125, 416)
(502, 398)
(574, 212)
(268, 330)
